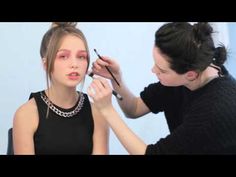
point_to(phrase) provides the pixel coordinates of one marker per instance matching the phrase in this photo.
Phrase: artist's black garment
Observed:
(63, 135)
(200, 122)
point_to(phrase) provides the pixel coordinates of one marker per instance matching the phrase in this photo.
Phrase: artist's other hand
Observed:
(100, 91)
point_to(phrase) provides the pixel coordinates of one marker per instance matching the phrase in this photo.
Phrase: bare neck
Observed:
(62, 97)
(203, 79)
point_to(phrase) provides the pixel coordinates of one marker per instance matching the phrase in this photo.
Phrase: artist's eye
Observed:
(163, 72)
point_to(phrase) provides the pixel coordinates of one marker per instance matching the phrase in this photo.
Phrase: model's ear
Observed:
(191, 75)
(44, 60)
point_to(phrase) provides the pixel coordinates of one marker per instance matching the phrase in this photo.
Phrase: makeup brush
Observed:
(113, 92)
(99, 56)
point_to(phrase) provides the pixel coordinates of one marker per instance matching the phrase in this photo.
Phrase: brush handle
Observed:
(112, 75)
(117, 95)
(99, 56)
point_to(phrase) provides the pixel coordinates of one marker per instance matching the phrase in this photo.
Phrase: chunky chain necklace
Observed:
(62, 113)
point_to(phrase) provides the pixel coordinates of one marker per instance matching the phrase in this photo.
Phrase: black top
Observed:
(63, 135)
(200, 122)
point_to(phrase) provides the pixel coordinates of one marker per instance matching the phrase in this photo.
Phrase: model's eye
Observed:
(83, 56)
(62, 56)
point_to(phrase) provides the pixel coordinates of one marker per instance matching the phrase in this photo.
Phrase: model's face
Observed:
(164, 73)
(71, 62)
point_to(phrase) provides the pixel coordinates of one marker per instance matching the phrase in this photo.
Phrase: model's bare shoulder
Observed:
(27, 115)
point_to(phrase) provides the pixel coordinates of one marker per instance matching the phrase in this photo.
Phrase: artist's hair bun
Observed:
(64, 24)
(202, 31)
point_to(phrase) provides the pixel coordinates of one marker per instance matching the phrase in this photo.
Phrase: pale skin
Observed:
(71, 57)
(131, 105)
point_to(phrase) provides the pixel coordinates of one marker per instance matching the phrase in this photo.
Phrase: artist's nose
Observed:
(155, 70)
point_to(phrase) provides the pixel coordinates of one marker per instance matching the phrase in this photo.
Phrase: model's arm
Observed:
(132, 106)
(24, 125)
(101, 134)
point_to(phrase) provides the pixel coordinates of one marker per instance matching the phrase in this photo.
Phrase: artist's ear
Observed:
(191, 75)
(44, 60)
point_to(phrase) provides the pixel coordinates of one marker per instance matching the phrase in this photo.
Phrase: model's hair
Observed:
(189, 47)
(52, 41)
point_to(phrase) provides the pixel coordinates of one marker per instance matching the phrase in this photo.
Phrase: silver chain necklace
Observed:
(62, 113)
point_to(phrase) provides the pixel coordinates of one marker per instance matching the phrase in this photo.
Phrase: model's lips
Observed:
(73, 74)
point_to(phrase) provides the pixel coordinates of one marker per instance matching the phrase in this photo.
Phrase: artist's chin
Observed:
(165, 84)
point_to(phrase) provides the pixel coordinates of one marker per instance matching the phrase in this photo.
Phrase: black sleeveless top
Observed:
(63, 135)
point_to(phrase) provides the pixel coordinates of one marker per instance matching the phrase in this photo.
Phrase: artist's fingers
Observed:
(96, 66)
(105, 83)
(94, 92)
(97, 90)
(103, 61)
(104, 86)
(91, 92)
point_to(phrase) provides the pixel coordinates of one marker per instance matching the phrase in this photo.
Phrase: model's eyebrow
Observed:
(66, 50)
(61, 50)
(82, 51)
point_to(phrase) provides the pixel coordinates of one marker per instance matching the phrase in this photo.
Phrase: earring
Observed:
(44, 60)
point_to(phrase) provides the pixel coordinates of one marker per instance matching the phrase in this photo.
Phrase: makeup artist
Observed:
(195, 91)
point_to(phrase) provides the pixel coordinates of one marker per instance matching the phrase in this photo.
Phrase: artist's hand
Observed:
(100, 91)
(98, 67)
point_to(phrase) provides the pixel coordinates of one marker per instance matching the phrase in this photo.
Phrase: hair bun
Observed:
(63, 24)
(220, 55)
(202, 31)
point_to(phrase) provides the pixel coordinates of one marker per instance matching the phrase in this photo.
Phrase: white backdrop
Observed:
(129, 43)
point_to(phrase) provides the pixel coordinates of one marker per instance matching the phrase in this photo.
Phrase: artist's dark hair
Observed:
(189, 47)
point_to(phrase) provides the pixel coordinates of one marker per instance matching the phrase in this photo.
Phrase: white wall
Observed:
(21, 71)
